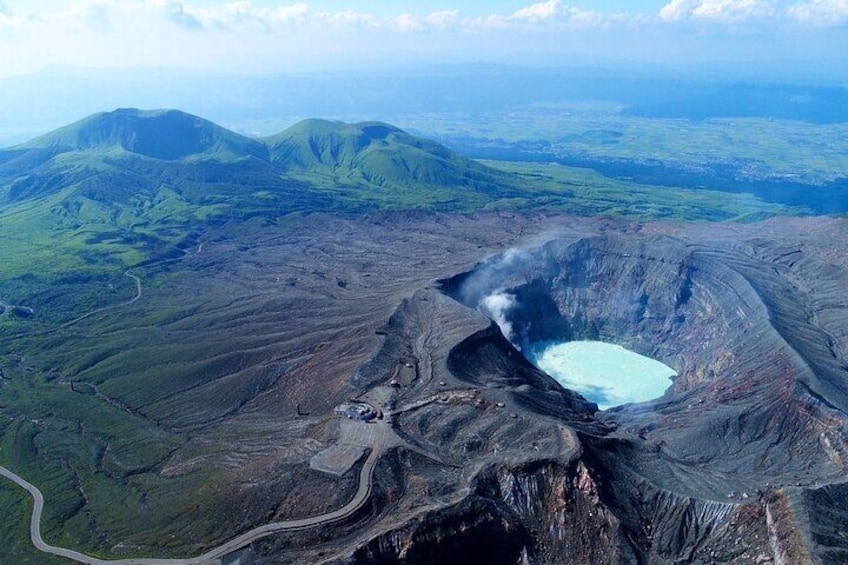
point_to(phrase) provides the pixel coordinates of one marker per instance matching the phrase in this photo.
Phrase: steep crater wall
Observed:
(656, 296)
(753, 368)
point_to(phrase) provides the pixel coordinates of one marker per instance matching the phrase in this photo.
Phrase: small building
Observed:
(355, 410)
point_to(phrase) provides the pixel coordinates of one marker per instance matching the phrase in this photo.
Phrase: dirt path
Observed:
(127, 303)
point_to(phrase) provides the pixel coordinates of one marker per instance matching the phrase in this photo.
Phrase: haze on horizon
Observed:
(795, 39)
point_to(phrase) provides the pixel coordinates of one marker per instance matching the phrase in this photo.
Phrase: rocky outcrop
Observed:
(477, 530)
(809, 523)
(564, 510)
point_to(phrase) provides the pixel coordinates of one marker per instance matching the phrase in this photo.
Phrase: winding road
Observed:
(128, 302)
(213, 556)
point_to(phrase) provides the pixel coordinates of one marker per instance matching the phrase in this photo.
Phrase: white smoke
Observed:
(496, 306)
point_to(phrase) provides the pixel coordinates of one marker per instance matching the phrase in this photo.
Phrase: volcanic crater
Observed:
(741, 461)
(759, 401)
(480, 456)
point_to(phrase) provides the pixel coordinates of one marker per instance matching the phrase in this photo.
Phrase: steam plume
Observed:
(496, 306)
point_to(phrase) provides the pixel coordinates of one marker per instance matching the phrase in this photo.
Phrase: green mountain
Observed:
(159, 134)
(374, 153)
(126, 187)
(119, 188)
(115, 155)
(130, 185)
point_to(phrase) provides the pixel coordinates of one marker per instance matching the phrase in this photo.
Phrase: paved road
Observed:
(212, 556)
(35, 523)
(378, 444)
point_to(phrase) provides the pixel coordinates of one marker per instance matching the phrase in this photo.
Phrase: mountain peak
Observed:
(370, 160)
(158, 134)
(316, 125)
(372, 152)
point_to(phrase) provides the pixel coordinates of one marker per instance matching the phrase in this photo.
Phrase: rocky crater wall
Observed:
(753, 368)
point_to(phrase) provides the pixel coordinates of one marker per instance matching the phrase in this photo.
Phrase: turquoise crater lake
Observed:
(604, 373)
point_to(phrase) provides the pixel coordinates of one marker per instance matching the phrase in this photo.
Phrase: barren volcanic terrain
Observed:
(218, 349)
(283, 372)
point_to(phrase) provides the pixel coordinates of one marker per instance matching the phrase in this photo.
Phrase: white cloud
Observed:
(442, 19)
(408, 23)
(677, 10)
(291, 33)
(244, 16)
(733, 10)
(176, 13)
(718, 11)
(350, 19)
(82, 15)
(7, 18)
(800, 13)
(354, 21)
(538, 12)
(590, 18)
(545, 15)
(824, 13)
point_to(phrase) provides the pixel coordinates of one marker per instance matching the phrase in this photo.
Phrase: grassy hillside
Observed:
(379, 164)
(119, 189)
(130, 187)
(374, 153)
(158, 134)
(126, 418)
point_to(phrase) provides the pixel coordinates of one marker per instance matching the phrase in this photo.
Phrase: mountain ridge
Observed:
(160, 144)
(372, 152)
(159, 134)
(130, 186)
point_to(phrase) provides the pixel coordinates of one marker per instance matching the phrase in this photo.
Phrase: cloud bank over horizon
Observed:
(277, 36)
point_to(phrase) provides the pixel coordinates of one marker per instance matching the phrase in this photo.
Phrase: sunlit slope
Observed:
(124, 187)
(120, 137)
(159, 134)
(130, 161)
(386, 160)
(130, 185)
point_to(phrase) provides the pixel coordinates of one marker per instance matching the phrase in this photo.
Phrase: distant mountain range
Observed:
(38, 102)
(127, 187)
(157, 146)
(131, 185)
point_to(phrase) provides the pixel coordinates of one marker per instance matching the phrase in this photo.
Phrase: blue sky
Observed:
(472, 8)
(284, 35)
